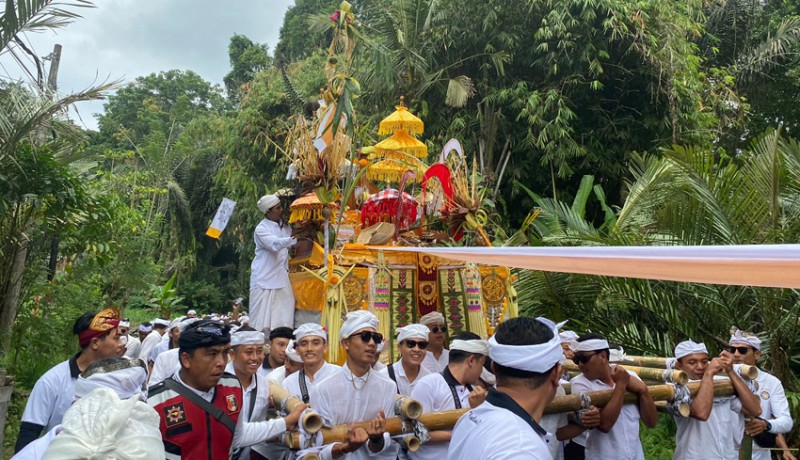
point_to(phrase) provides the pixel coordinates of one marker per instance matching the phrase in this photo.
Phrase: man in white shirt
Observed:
(291, 365)
(436, 358)
(168, 362)
(617, 436)
(169, 340)
(357, 393)
(52, 394)
(153, 338)
(279, 339)
(412, 340)
(745, 348)
(526, 361)
(271, 297)
(707, 433)
(311, 344)
(451, 389)
(132, 344)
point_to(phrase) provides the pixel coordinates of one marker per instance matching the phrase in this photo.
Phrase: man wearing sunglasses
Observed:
(412, 341)
(436, 358)
(775, 418)
(451, 389)
(617, 436)
(356, 393)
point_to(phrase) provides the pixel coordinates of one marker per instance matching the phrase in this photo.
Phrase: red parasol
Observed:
(384, 205)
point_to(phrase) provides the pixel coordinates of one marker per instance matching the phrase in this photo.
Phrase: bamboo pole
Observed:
(411, 443)
(447, 419)
(661, 375)
(309, 456)
(745, 371)
(408, 407)
(684, 409)
(311, 422)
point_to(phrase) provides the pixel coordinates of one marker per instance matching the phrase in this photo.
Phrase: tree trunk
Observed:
(11, 287)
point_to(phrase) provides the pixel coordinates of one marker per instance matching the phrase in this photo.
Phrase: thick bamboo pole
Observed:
(311, 422)
(408, 407)
(746, 371)
(447, 419)
(647, 373)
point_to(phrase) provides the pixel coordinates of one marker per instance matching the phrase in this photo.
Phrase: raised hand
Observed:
(477, 396)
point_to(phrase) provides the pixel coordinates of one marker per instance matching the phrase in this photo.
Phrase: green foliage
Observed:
(296, 43)
(202, 296)
(22, 16)
(247, 59)
(165, 299)
(659, 443)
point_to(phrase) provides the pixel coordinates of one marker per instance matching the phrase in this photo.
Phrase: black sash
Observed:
(390, 369)
(209, 408)
(301, 379)
(499, 399)
(452, 383)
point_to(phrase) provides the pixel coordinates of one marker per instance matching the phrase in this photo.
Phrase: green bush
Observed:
(201, 296)
(659, 442)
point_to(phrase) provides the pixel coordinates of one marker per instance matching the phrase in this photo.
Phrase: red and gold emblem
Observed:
(175, 414)
(230, 401)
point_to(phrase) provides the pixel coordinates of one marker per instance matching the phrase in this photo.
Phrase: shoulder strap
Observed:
(390, 369)
(194, 398)
(452, 382)
(301, 378)
(253, 396)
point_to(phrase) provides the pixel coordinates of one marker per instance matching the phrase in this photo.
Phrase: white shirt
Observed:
(712, 439)
(343, 398)
(404, 387)
(774, 409)
(551, 423)
(495, 432)
(36, 449)
(270, 267)
(433, 392)
(622, 441)
(158, 350)
(149, 342)
(276, 376)
(292, 382)
(132, 347)
(434, 365)
(52, 395)
(258, 389)
(165, 365)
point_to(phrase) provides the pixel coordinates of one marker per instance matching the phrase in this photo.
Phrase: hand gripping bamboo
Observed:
(447, 419)
(311, 422)
(746, 371)
(647, 373)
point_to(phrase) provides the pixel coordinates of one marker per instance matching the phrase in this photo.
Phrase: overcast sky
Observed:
(124, 39)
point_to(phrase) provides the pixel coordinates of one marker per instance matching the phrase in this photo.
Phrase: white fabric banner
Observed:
(744, 265)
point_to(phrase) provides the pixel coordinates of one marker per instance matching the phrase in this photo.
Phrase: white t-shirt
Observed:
(149, 342)
(498, 429)
(52, 395)
(712, 439)
(165, 365)
(404, 387)
(551, 423)
(622, 441)
(433, 392)
(774, 409)
(270, 267)
(434, 365)
(132, 347)
(292, 382)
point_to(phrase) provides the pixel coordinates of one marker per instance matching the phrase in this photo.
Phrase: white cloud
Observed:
(125, 39)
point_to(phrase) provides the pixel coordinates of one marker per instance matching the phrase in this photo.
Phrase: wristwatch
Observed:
(769, 426)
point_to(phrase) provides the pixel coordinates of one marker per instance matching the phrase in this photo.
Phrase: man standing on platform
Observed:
(311, 343)
(436, 358)
(745, 348)
(617, 436)
(271, 296)
(526, 360)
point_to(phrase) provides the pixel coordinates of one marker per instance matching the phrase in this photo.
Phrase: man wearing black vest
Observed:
(451, 389)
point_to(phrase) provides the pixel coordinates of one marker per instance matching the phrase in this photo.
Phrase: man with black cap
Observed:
(199, 406)
(271, 295)
(52, 393)
(278, 341)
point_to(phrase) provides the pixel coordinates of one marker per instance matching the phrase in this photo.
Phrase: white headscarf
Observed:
(186, 322)
(413, 331)
(143, 328)
(357, 320)
(591, 345)
(125, 324)
(248, 338)
(432, 318)
(127, 382)
(689, 347)
(267, 202)
(617, 356)
(160, 322)
(478, 346)
(103, 426)
(568, 337)
(310, 329)
(292, 354)
(532, 358)
(739, 336)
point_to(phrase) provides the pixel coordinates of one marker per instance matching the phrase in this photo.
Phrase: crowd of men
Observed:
(202, 389)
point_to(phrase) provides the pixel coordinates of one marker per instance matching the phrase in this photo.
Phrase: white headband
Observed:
(689, 347)
(292, 354)
(413, 331)
(568, 336)
(160, 322)
(591, 345)
(143, 328)
(739, 336)
(532, 358)
(247, 338)
(432, 318)
(267, 202)
(357, 320)
(125, 324)
(470, 346)
(310, 329)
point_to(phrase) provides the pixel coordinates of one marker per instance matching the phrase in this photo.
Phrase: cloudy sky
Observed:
(124, 39)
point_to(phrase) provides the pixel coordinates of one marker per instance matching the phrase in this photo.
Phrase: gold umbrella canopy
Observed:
(403, 142)
(391, 170)
(401, 119)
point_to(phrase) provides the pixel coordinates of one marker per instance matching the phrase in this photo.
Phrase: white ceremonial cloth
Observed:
(258, 389)
(272, 308)
(404, 387)
(165, 365)
(343, 398)
(493, 433)
(51, 397)
(434, 365)
(434, 394)
(622, 441)
(774, 409)
(551, 423)
(132, 347)
(150, 342)
(712, 439)
(35, 449)
(292, 382)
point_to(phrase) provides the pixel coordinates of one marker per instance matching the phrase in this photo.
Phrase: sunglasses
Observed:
(366, 336)
(741, 350)
(580, 359)
(438, 329)
(414, 343)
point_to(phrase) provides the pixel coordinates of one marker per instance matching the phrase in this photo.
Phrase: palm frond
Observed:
(36, 16)
(770, 52)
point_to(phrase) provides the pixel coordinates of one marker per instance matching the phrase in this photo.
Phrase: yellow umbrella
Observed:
(401, 119)
(403, 142)
(392, 170)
